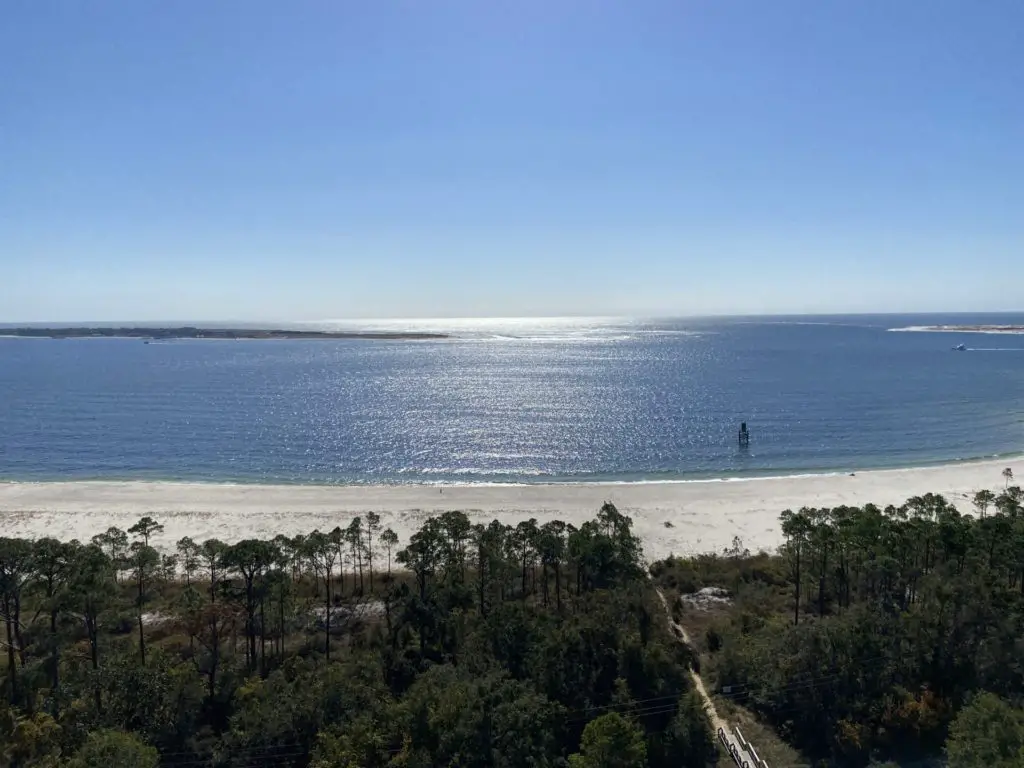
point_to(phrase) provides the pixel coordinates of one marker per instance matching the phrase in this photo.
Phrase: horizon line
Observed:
(496, 318)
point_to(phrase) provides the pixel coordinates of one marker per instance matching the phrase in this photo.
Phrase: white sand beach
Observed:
(704, 515)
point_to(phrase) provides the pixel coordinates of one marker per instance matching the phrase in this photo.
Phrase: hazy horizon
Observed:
(485, 319)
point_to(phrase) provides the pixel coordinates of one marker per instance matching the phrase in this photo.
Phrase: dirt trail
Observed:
(717, 722)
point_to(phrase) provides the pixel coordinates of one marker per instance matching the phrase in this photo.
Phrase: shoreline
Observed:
(680, 517)
(1007, 330)
(183, 333)
(553, 481)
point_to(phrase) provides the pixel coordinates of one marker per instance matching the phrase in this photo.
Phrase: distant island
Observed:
(963, 328)
(188, 332)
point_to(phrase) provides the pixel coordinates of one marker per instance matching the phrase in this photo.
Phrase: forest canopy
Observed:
(871, 635)
(471, 645)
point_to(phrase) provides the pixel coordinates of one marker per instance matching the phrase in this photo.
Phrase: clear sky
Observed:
(263, 159)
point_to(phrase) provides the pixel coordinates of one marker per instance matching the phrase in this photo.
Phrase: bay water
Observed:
(516, 400)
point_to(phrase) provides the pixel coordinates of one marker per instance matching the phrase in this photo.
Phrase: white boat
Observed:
(960, 348)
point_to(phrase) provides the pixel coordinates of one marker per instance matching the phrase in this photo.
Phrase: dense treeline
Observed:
(471, 645)
(872, 628)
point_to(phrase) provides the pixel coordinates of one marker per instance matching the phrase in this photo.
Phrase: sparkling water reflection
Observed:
(512, 400)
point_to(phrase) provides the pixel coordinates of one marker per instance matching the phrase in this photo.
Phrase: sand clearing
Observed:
(704, 515)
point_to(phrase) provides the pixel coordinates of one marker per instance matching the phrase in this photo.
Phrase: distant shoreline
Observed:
(189, 332)
(1007, 329)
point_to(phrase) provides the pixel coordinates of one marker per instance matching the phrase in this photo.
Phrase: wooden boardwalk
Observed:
(742, 751)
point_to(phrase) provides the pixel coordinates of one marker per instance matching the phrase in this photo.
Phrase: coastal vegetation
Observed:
(468, 645)
(873, 634)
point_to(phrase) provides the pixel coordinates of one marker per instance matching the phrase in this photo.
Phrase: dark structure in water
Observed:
(744, 434)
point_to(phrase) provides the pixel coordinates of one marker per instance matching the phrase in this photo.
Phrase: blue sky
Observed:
(303, 160)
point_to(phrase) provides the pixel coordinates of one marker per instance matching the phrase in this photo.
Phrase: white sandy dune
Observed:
(704, 515)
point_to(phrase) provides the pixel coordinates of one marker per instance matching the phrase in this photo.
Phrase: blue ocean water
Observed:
(515, 401)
